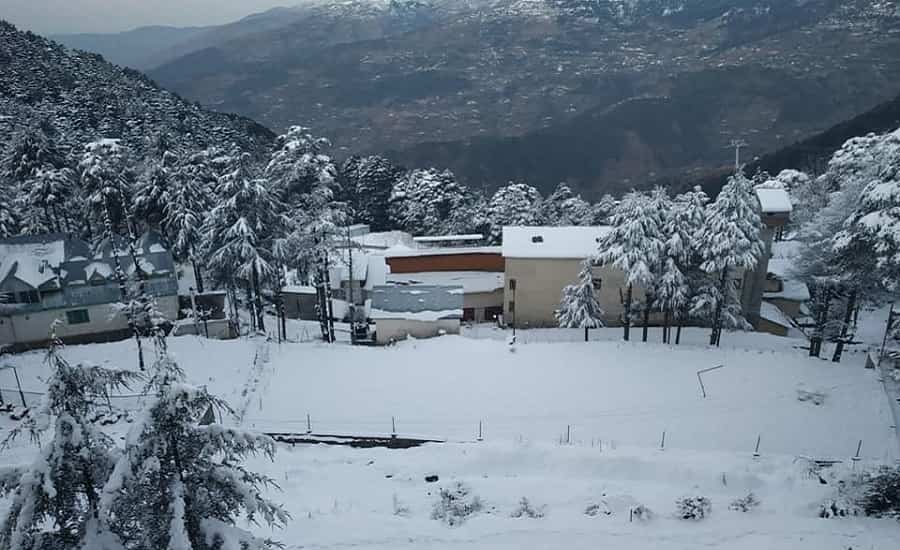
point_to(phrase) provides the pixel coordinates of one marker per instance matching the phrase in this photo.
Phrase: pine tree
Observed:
(563, 207)
(579, 307)
(153, 191)
(429, 202)
(683, 248)
(55, 501)
(299, 163)
(633, 246)
(49, 192)
(106, 179)
(180, 483)
(513, 205)
(368, 183)
(189, 202)
(9, 220)
(239, 232)
(602, 210)
(731, 244)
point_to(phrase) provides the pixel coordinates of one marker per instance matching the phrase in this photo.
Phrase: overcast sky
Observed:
(67, 16)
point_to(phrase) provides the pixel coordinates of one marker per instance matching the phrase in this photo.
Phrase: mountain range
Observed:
(603, 94)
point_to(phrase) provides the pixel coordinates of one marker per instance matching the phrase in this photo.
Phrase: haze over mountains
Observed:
(606, 94)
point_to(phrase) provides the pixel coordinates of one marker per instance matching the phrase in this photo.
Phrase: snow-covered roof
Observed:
(772, 313)
(471, 281)
(417, 302)
(774, 201)
(384, 239)
(32, 260)
(792, 289)
(299, 289)
(552, 242)
(398, 252)
(449, 238)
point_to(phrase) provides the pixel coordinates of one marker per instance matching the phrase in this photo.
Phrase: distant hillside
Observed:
(134, 48)
(84, 97)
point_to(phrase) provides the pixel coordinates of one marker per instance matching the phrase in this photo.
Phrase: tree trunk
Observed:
(845, 328)
(666, 323)
(646, 327)
(260, 314)
(251, 305)
(585, 334)
(678, 334)
(715, 336)
(823, 298)
(198, 276)
(627, 313)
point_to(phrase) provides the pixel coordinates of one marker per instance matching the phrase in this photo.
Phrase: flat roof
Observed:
(441, 251)
(575, 242)
(445, 238)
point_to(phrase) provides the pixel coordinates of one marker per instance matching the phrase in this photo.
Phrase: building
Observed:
(57, 278)
(479, 271)
(541, 261)
(418, 311)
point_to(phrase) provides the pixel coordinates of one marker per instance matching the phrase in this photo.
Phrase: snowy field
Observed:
(616, 398)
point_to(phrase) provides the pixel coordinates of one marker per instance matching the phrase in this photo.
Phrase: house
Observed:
(419, 311)
(479, 271)
(540, 261)
(775, 211)
(58, 278)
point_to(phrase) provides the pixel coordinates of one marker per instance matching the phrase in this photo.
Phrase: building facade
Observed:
(58, 280)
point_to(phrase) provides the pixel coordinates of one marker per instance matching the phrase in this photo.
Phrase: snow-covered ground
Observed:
(616, 398)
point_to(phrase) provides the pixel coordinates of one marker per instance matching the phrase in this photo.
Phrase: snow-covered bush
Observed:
(400, 509)
(455, 504)
(526, 510)
(814, 397)
(744, 504)
(881, 493)
(695, 508)
(597, 508)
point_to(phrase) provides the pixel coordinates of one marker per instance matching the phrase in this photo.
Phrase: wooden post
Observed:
(858, 449)
(308, 424)
(393, 428)
(480, 436)
(19, 385)
(756, 451)
(568, 434)
(662, 443)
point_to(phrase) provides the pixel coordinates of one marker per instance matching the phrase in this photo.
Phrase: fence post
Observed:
(662, 442)
(855, 458)
(480, 435)
(756, 451)
(393, 428)
(308, 425)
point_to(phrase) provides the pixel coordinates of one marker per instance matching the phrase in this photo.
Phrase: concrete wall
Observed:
(478, 301)
(791, 308)
(389, 330)
(539, 284)
(300, 306)
(34, 327)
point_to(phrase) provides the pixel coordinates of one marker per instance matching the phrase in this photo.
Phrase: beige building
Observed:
(541, 261)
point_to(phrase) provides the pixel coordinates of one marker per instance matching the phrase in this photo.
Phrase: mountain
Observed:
(606, 94)
(85, 98)
(135, 48)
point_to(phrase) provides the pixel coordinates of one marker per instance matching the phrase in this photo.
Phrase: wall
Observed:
(539, 284)
(34, 327)
(446, 262)
(791, 308)
(481, 300)
(388, 330)
(300, 306)
(755, 281)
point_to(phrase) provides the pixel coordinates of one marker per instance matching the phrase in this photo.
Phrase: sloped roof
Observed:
(471, 281)
(417, 302)
(774, 201)
(568, 242)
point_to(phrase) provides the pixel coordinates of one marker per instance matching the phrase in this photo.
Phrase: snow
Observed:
(792, 289)
(773, 313)
(471, 281)
(774, 201)
(552, 242)
(446, 238)
(384, 239)
(416, 315)
(31, 262)
(299, 289)
(409, 253)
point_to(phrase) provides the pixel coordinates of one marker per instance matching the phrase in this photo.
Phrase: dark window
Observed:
(537, 239)
(78, 317)
(512, 284)
(512, 306)
(492, 313)
(598, 284)
(29, 297)
(468, 314)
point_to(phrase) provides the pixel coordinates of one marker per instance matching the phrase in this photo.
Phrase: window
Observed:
(78, 317)
(598, 284)
(512, 284)
(512, 306)
(537, 239)
(29, 297)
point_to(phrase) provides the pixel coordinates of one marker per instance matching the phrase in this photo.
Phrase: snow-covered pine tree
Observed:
(730, 244)
(602, 210)
(300, 161)
(9, 219)
(55, 502)
(633, 246)
(181, 483)
(579, 307)
(239, 233)
(368, 183)
(563, 207)
(105, 175)
(153, 191)
(48, 193)
(867, 248)
(683, 226)
(428, 202)
(513, 204)
(190, 200)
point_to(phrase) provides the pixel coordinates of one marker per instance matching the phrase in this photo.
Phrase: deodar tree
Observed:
(579, 307)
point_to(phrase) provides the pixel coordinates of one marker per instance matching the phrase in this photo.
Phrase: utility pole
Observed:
(738, 144)
(351, 309)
